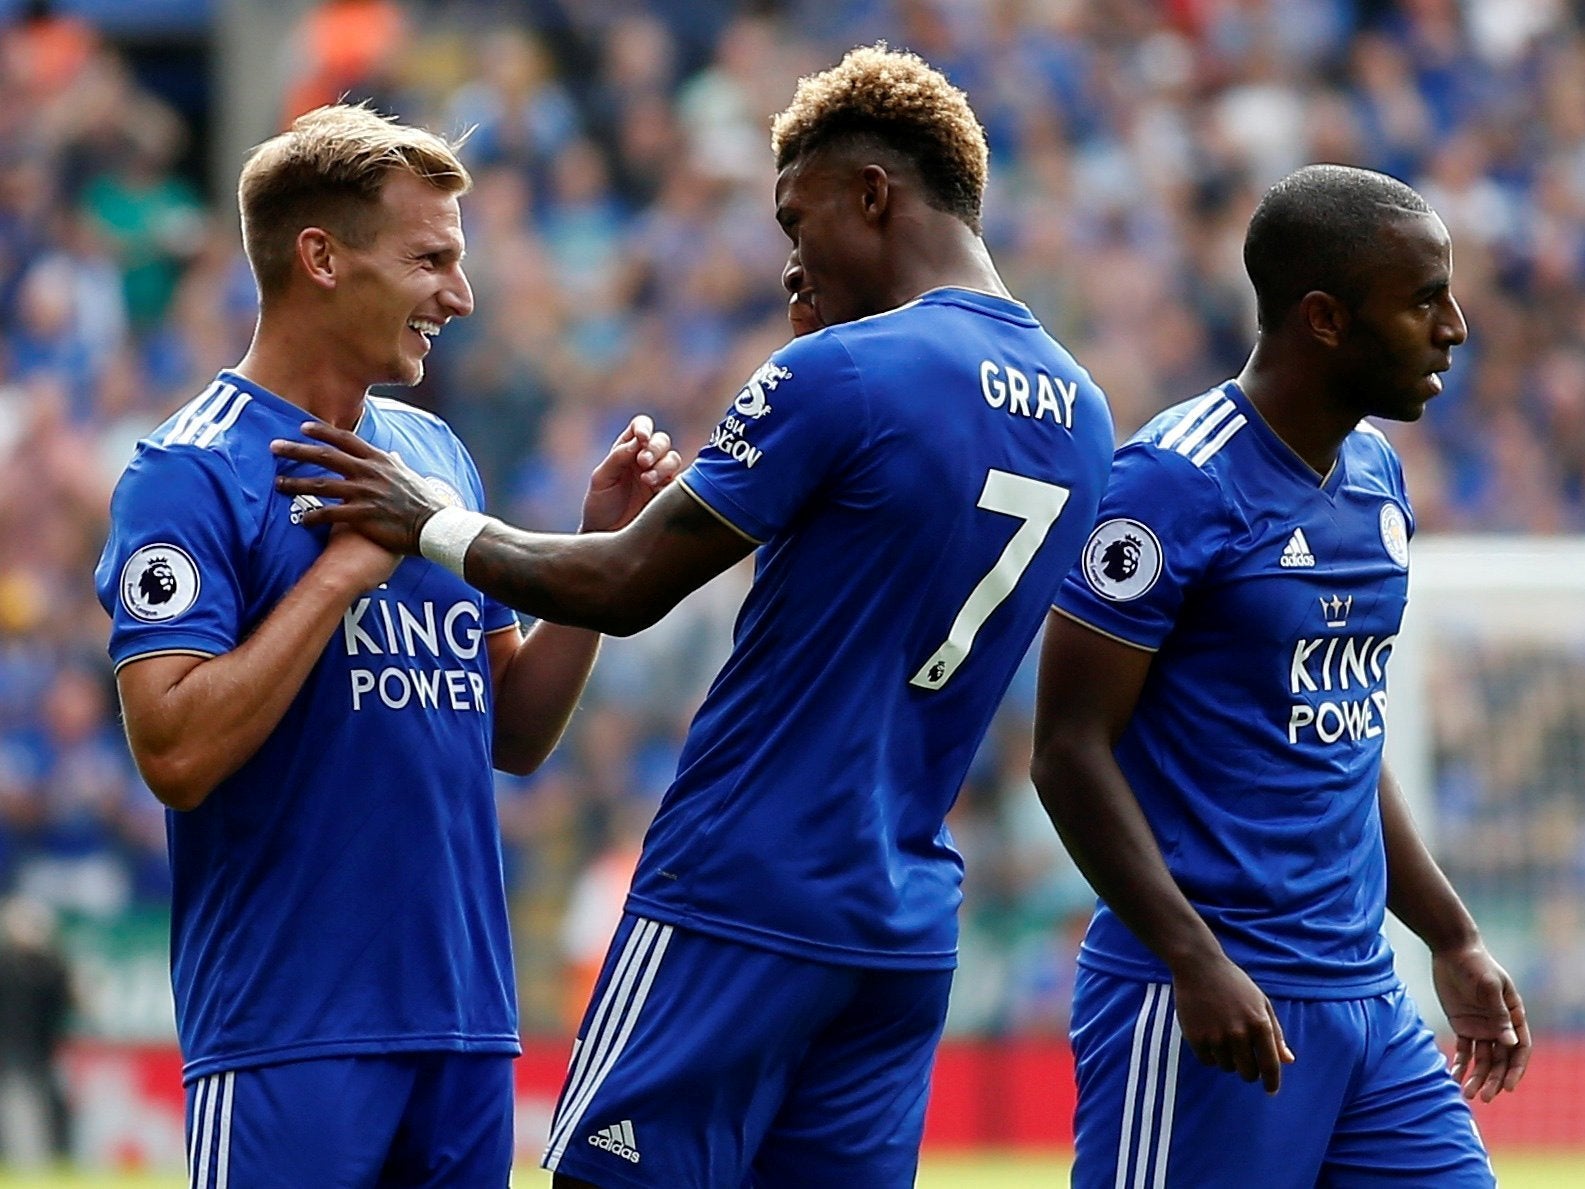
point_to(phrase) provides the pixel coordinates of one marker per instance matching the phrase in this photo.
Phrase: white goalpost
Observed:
(1486, 732)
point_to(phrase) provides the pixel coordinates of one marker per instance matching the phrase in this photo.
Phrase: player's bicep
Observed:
(145, 685)
(499, 648)
(621, 582)
(1089, 681)
(169, 573)
(684, 542)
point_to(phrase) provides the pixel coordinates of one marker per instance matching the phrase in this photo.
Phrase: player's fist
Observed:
(639, 463)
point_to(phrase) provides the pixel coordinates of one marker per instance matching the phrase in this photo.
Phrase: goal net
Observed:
(1487, 735)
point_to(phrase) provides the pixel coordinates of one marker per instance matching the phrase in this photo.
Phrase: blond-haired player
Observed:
(321, 716)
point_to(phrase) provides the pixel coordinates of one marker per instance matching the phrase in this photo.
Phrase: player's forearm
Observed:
(1418, 892)
(1094, 810)
(586, 581)
(191, 735)
(537, 693)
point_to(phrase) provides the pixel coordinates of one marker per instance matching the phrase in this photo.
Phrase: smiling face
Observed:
(400, 290)
(801, 312)
(1401, 334)
(830, 207)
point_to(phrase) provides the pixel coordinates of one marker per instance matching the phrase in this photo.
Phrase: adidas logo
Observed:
(302, 503)
(1296, 554)
(618, 1140)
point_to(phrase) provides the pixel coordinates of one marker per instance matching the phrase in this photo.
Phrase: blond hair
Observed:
(328, 170)
(894, 100)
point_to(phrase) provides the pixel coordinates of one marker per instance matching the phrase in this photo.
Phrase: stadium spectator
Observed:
(35, 1003)
(150, 216)
(342, 47)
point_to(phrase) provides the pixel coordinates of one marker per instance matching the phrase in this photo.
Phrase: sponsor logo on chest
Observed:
(1296, 553)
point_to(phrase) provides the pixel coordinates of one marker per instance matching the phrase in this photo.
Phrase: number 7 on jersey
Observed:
(1038, 505)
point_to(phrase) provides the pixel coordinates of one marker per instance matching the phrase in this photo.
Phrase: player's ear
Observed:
(875, 191)
(1324, 316)
(316, 252)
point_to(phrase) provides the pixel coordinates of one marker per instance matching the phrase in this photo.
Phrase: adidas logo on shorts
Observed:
(618, 1140)
(1297, 552)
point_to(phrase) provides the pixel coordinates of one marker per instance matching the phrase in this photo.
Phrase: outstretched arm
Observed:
(618, 582)
(539, 678)
(1480, 999)
(1089, 685)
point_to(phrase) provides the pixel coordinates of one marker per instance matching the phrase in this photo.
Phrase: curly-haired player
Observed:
(918, 469)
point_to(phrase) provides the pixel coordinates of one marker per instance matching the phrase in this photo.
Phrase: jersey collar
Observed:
(1283, 454)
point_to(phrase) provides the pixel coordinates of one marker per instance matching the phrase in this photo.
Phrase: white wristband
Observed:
(446, 535)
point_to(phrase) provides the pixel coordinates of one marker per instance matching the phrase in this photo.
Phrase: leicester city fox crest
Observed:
(1394, 533)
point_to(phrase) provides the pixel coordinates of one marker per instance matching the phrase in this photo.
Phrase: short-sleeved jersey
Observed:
(919, 482)
(1272, 599)
(341, 892)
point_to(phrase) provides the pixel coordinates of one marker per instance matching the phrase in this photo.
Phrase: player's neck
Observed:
(979, 270)
(949, 256)
(1292, 399)
(298, 373)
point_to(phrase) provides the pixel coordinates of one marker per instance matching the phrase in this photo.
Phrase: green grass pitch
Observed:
(1515, 1170)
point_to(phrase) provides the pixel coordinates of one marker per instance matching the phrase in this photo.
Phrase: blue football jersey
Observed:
(1271, 598)
(341, 892)
(919, 482)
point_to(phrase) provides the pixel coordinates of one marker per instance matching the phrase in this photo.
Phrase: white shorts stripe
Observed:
(584, 1049)
(610, 1048)
(1135, 1058)
(192, 1133)
(1152, 1088)
(1148, 1109)
(1170, 438)
(610, 1052)
(1169, 1096)
(208, 1139)
(223, 1158)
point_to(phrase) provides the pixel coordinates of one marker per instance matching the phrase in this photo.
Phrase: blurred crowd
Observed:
(1509, 746)
(624, 258)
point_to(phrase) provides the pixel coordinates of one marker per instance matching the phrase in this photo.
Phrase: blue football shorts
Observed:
(703, 1063)
(406, 1119)
(1369, 1101)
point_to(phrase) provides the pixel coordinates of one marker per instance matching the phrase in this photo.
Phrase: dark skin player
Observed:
(864, 241)
(1328, 363)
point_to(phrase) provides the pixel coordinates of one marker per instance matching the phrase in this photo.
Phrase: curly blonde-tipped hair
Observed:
(327, 170)
(896, 99)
